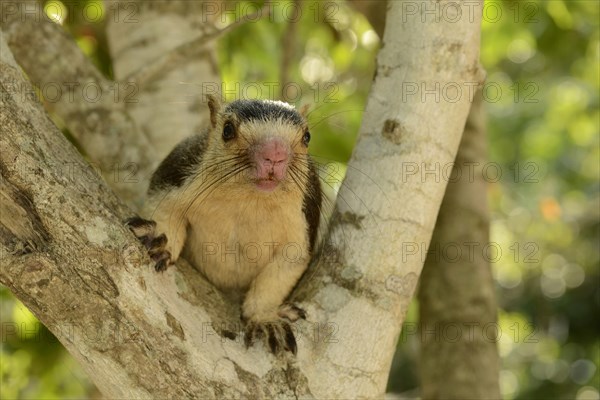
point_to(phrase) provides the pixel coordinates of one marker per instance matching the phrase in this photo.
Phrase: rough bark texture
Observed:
(458, 311)
(67, 255)
(364, 286)
(156, 99)
(140, 334)
(92, 107)
(466, 367)
(172, 85)
(450, 368)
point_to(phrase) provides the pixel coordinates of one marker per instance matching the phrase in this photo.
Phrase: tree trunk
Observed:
(449, 369)
(68, 257)
(148, 47)
(458, 311)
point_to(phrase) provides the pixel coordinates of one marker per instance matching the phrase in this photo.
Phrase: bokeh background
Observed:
(541, 97)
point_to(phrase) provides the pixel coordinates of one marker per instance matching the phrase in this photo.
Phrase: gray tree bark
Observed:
(164, 61)
(66, 254)
(467, 367)
(166, 49)
(457, 305)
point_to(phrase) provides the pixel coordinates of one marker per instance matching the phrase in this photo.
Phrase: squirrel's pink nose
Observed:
(273, 152)
(271, 159)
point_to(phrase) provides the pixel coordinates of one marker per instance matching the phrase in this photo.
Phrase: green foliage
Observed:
(550, 202)
(331, 66)
(33, 364)
(542, 59)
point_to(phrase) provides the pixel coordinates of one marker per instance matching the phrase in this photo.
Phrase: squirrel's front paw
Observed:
(276, 334)
(145, 231)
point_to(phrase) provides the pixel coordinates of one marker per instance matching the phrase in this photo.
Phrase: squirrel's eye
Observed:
(306, 138)
(228, 131)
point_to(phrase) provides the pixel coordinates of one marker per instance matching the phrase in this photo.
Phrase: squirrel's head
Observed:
(262, 141)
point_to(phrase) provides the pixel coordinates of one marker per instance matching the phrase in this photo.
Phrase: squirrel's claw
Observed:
(278, 336)
(145, 231)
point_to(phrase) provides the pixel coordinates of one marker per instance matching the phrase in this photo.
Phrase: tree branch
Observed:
(467, 367)
(173, 74)
(465, 363)
(192, 48)
(366, 281)
(138, 334)
(91, 106)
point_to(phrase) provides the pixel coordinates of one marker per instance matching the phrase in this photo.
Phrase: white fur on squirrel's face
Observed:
(271, 147)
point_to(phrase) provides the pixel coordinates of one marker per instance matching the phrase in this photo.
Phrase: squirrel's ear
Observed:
(304, 110)
(214, 105)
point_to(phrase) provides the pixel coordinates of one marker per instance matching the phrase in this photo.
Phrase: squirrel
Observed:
(241, 202)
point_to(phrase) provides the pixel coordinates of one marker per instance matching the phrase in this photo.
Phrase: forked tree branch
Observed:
(140, 334)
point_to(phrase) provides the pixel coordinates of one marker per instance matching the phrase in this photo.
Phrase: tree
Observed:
(68, 257)
(465, 365)
(460, 359)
